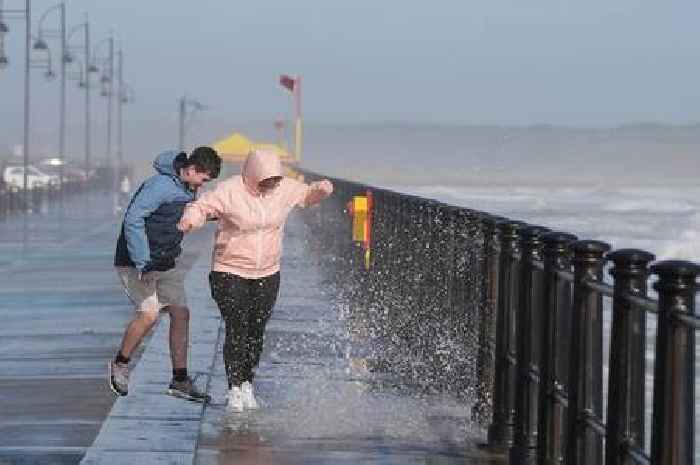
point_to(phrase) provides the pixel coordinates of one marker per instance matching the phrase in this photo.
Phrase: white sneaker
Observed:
(248, 396)
(234, 399)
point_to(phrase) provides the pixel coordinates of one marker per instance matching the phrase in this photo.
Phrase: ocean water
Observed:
(663, 221)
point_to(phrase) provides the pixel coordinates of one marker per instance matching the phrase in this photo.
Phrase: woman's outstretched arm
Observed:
(315, 192)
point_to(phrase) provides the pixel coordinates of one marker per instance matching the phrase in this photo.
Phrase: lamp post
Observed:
(126, 96)
(25, 14)
(293, 84)
(120, 86)
(40, 44)
(107, 87)
(4, 29)
(46, 64)
(123, 97)
(279, 126)
(84, 82)
(184, 103)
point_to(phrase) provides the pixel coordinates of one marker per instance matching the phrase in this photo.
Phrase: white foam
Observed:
(665, 221)
(651, 204)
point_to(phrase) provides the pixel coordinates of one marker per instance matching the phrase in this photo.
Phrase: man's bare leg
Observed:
(136, 331)
(118, 369)
(179, 335)
(182, 385)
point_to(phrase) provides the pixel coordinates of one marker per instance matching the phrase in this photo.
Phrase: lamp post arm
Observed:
(46, 13)
(75, 29)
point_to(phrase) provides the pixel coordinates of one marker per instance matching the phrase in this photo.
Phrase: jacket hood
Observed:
(260, 164)
(169, 162)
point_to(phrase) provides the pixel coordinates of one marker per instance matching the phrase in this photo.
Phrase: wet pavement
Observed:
(320, 402)
(63, 312)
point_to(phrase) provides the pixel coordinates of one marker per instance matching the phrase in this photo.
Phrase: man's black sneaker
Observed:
(187, 390)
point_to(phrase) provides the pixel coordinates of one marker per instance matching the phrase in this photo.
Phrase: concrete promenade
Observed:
(63, 312)
(320, 402)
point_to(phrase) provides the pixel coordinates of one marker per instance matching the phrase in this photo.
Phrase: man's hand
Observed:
(148, 278)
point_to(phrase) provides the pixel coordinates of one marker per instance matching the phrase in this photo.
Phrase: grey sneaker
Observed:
(187, 390)
(118, 377)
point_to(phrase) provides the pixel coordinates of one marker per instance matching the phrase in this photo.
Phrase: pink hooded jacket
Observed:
(250, 224)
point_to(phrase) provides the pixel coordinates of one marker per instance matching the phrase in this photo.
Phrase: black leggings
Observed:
(246, 306)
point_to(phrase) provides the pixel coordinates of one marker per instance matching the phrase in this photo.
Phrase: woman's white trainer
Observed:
(249, 401)
(234, 399)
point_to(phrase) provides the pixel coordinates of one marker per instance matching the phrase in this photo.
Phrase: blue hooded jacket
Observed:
(149, 238)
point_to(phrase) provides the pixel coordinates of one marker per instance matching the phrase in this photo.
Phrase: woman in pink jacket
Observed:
(251, 209)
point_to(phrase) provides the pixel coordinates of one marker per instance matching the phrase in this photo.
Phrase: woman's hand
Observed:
(326, 186)
(319, 191)
(184, 225)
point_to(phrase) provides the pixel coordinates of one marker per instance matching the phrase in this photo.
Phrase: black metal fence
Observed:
(511, 316)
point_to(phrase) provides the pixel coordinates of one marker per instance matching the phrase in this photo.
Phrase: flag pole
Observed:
(298, 131)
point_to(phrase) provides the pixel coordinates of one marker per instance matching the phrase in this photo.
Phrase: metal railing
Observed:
(525, 305)
(40, 198)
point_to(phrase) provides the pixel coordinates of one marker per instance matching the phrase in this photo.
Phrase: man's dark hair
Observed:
(205, 160)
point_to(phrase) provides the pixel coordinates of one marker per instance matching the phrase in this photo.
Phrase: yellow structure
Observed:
(361, 224)
(236, 147)
(359, 218)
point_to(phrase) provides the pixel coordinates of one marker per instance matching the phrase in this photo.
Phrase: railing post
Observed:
(502, 429)
(673, 423)
(529, 335)
(586, 375)
(557, 309)
(490, 252)
(625, 419)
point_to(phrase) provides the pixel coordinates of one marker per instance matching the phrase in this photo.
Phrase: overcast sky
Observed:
(509, 62)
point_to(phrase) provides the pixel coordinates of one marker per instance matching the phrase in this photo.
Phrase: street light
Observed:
(185, 103)
(3, 31)
(121, 101)
(40, 44)
(46, 63)
(79, 74)
(279, 126)
(84, 82)
(125, 95)
(128, 95)
(107, 85)
(293, 85)
(25, 14)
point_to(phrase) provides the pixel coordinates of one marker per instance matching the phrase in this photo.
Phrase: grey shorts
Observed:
(159, 288)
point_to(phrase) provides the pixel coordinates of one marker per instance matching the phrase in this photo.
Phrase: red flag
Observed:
(288, 82)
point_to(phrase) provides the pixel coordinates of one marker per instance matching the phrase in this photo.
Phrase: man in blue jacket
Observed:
(146, 262)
